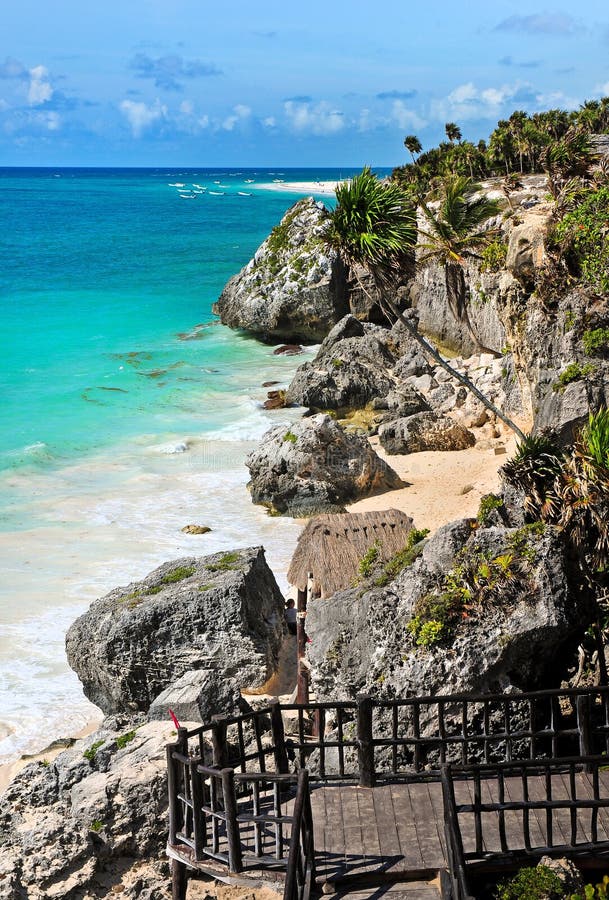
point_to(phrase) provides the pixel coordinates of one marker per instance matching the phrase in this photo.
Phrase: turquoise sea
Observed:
(127, 409)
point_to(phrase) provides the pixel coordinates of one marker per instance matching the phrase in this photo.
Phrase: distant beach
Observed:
(325, 188)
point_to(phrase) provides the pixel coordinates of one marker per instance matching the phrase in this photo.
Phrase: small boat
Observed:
(216, 182)
(198, 192)
(278, 181)
(249, 180)
(244, 193)
(177, 184)
(217, 193)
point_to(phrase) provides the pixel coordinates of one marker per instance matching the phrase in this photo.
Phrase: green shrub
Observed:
(598, 891)
(573, 372)
(90, 752)
(582, 238)
(595, 339)
(426, 634)
(225, 563)
(124, 739)
(290, 436)
(488, 503)
(96, 825)
(403, 558)
(494, 256)
(337, 363)
(530, 884)
(178, 574)
(368, 561)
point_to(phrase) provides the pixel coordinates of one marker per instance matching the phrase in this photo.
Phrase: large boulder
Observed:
(510, 635)
(294, 289)
(351, 368)
(92, 823)
(221, 614)
(315, 467)
(424, 431)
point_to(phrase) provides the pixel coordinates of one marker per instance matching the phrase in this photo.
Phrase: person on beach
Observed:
(290, 616)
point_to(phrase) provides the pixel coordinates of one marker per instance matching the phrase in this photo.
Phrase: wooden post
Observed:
(218, 741)
(176, 823)
(302, 680)
(235, 862)
(365, 747)
(582, 705)
(198, 822)
(281, 756)
(178, 880)
(173, 782)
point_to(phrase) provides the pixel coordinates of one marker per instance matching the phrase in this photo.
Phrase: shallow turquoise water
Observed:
(127, 409)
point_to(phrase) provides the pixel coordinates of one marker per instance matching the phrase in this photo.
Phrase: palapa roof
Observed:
(332, 546)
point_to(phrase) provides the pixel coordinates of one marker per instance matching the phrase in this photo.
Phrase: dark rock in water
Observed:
(288, 350)
(221, 613)
(91, 823)
(424, 431)
(276, 400)
(270, 383)
(314, 466)
(361, 641)
(196, 529)
(295, 288)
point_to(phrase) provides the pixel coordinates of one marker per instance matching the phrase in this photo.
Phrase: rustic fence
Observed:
(523, 810)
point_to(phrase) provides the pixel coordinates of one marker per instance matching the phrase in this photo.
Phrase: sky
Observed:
(278, 82)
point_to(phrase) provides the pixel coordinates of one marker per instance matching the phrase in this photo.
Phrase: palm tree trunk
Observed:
(431, 350)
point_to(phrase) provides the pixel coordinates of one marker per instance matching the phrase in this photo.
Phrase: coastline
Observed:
(10, 770)
(327, 188)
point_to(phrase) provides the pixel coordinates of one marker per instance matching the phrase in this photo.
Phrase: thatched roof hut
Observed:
(332, 546)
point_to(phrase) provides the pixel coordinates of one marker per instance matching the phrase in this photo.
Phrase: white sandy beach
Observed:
(442, 486)
(301, 187)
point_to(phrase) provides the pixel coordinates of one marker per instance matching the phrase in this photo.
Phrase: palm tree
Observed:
(453, 132)
(570, 157)
(413, 145)
(454, 233)
(373, 226)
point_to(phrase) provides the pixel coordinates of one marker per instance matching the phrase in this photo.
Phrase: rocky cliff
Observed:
(294, 289)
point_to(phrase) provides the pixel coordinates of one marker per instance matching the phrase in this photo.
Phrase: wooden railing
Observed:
(523, 810)
(300, 872)
(231, 780)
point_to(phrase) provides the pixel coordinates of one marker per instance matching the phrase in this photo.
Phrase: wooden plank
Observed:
(386, 830)
(584, 790)
(425, 825)
(405, 825)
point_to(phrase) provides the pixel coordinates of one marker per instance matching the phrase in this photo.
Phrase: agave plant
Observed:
(533, 469)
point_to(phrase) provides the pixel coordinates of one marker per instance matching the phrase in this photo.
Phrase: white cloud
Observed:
(187, 107)
(140, 116)
(240, 114)
(269, 122)
(467, 101)
(319, 118)
(40, 89)
(404, 117)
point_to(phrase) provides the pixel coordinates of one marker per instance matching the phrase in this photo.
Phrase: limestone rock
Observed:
(196, 529)
(221, 613)
(360, 642)
(424, 431)
(351, 368)
(314, 467)
(90, 827)
(294, 289)
(526, 250)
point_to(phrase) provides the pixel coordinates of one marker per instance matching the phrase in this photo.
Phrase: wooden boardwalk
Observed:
(395, 832)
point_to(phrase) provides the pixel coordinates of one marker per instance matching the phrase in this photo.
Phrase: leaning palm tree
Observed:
(454, 233)
(373, 228)
(413, 145)
(453, 132)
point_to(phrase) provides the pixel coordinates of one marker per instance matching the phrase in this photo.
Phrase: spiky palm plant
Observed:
(454, 233)
(374, 226)
(534, 469)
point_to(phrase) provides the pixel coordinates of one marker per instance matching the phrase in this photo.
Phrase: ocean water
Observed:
(127, 409)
